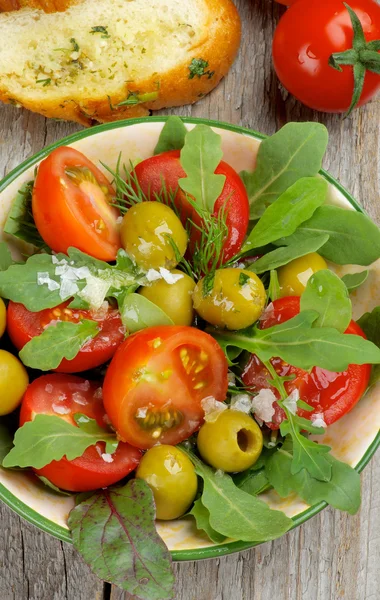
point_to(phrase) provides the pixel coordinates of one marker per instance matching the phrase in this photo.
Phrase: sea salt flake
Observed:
(262, 405)
(241, 403)
(291, 401)
(107, 458)
(212, 408)
(170, 277)
(49, 388)
(79, 399)
(44, 278)
(318, 420)
(231, 379)
(61, 410)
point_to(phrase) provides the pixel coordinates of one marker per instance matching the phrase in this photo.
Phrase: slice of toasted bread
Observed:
(103, 60)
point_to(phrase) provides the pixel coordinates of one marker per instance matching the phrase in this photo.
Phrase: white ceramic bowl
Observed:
(353, 439)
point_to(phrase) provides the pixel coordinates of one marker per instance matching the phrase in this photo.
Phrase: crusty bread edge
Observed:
(175, 87)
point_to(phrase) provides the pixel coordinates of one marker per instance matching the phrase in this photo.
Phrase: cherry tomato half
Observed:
(24, 325)
(331, 394)
(72, 205)
(307, 35)
(166, 167)
(155, 383)
(64, 396)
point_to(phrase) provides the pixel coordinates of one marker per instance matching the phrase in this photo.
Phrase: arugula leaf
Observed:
(172, 136)
(114, 531)
(202, 519)
(137, 312)
(353, 237)
(6, 259)
(235, 513)
(274, 286)
(296, 205)
(200, 156)
(53, 487)
(298, 344)
(370, 323)
(6, 441)
(63, 340)
(46, 281)
(306, 454)
(326, 293)
(37, 443)
(91, 426)
(253, 481)
(20, 222)
(282, 256)
(354, 280)
(293, 152)
(342, 491)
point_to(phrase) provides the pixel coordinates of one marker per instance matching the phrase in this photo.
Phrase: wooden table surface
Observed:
(331, 557)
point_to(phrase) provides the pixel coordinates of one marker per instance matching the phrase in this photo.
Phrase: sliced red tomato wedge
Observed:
(330, 394)
(155, 383)
(23, 325)
(72, 205)
(166, 169)
(63, 396)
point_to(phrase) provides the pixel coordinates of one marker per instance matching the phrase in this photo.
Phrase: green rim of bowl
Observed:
(179, 555)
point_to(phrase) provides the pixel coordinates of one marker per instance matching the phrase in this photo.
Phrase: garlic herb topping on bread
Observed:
(106, 60)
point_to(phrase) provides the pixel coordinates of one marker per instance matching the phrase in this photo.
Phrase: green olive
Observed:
(3, 317)
(175, 299)
(13, 382)
(294, 276)
(235, 301)
(146, 233)
(172, 479)
(232, 443)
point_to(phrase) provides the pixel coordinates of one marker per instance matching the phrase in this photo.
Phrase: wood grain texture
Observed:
(331, 557)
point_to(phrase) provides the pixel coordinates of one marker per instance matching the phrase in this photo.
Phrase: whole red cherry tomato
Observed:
(23, 325)
(307, 36)
(330, 394)
(63, 396)
(155, 383)
(72, 205)
(166, 168)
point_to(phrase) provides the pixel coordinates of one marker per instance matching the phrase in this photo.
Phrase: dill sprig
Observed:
(20, 221)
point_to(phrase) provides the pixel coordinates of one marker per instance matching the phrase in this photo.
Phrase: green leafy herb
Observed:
(172, 136)
(91, 426)
(63, 340)
(284, 255)
(274, 286)
(353, 237)
(20, 222)
(300, 344)
(46, 281)
(48, 438)
(287, 212)
(6, 441)
(370, 323)
(243, 279)
(253, 481)
(134, 98)
(137, 312)
(198, 68)
(74, 44)
(6, 259)
(53, 487)
(102, 30)
(202, 519)
(200, 156)
(342, 490)
(114, 531)
(327, 294)
(235, 513)
(293, 152)
(44, 82)
(354, 280)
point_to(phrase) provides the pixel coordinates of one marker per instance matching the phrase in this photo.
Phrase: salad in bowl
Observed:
(190, 338)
